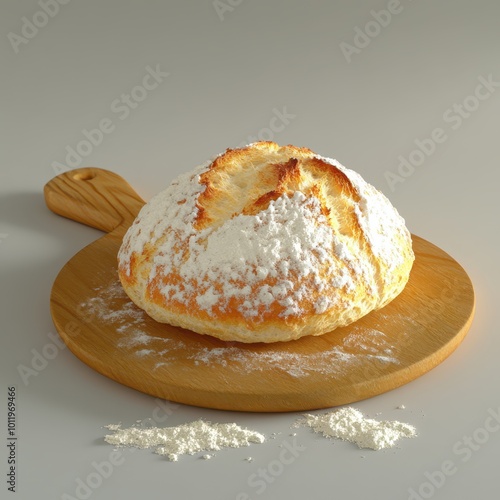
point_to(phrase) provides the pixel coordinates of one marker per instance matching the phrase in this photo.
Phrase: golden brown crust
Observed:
(361, 264)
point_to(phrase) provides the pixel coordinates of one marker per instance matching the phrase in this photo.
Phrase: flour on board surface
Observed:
(111, 305)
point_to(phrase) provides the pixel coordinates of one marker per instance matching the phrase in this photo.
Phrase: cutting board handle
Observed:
(93, 196)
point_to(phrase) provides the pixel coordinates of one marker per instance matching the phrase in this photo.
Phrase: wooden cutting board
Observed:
(102, 327)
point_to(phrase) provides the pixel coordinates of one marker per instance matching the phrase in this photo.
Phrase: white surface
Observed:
(228, 80)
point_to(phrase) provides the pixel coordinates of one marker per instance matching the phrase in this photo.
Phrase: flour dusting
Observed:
(349, 424)
(185, 439)
(109, 305)
(112, 305)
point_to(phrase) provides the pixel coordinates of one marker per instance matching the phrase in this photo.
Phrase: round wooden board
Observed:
(382, 351)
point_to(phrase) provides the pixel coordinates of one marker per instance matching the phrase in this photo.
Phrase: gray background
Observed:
(228, 74)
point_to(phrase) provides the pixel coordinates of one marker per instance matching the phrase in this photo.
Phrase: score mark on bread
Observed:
(263, 244)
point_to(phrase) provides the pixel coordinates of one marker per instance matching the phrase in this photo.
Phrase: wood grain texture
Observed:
(383, 350)
(95, 197)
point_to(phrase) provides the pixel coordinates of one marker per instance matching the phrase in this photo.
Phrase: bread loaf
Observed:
(263, 244)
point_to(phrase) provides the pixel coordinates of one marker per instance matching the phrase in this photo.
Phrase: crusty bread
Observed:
(263, 244)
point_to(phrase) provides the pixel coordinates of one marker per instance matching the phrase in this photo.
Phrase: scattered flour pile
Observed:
(349, 424)
(184, 439)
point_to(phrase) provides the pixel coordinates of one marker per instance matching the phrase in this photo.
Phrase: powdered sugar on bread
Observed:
(259, 243)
